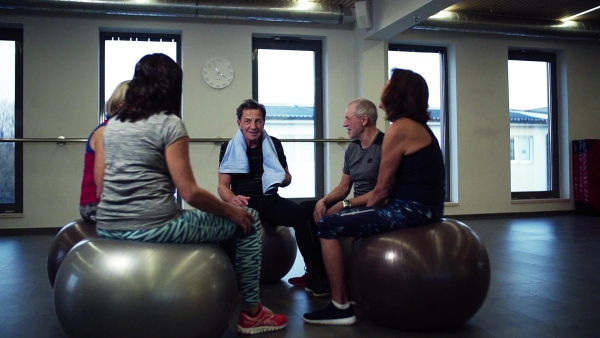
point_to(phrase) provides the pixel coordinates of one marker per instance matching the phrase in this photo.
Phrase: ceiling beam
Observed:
(392, 17)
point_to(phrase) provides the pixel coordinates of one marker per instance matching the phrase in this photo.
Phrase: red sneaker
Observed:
(299, 281)
(265, 320)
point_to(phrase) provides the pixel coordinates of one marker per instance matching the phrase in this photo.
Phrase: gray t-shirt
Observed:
(138, 190)
(362, 165)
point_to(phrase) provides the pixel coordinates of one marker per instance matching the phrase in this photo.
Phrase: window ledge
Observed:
(540, 200)
(450, 204)
(12, 215)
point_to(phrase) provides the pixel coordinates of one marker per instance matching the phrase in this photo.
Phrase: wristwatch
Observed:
(346, 204)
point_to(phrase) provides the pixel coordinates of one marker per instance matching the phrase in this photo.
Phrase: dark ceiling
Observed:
(539, 18)
(530, 9)
(520, 9)
(509, 9)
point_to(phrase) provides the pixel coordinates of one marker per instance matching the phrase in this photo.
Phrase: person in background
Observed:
(361, 166)
(146, 152)
(89, 198)
(252, 167)
(410, 189)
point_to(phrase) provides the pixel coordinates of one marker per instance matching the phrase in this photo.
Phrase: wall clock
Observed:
(218, 73)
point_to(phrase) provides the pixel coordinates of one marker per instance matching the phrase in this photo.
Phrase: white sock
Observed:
(340, 306)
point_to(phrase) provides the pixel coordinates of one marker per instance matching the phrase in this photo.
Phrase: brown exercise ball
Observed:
(429, 277)
(64, 241)
(278, 252)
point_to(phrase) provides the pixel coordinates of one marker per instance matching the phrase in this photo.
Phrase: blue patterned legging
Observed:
(195, 226)
(365, 221)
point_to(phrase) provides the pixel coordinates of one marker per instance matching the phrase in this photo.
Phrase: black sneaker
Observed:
(318, 286)
(331, 315)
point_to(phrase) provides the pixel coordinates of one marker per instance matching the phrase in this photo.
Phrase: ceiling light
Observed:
(442, 15)
(304, 5)
(582, 13)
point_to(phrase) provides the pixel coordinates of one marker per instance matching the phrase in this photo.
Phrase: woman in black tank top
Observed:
(410, 187)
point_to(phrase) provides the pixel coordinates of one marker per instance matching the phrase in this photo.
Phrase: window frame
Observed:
(444, 102)
(108, 35)
(316, 46)
(553, 118)
(16, 34)
(516, 144)
(153, 36)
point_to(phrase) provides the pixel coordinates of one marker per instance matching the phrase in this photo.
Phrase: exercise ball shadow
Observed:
(278, 253)
(113, 288)
(66, 239)
(429, 277)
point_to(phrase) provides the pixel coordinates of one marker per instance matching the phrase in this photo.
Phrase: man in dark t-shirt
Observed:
(246, 187)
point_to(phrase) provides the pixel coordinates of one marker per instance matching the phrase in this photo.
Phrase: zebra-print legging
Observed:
(195, 226)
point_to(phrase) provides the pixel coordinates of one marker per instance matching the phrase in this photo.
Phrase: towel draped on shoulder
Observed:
(235, 161)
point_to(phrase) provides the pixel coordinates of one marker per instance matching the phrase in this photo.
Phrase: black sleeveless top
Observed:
(421, 176)
(250, 184)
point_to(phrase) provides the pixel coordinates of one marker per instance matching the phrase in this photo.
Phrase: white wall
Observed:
(61, 98)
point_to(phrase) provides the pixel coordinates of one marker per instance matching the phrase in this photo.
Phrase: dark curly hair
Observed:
(156, 87)
(406, 95)
(251, 104)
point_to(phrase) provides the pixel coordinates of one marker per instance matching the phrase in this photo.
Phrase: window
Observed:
(429, 62)
(11, 120)
(294, 106)
(521, 149)
(119, 53)
(533, 124)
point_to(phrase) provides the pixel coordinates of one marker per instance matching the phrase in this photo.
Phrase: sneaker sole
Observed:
(260, 329)
(299, 285)
(339, 321)
(323, 294)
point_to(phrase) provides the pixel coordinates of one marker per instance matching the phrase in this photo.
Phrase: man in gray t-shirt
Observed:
(361, 161)
(361, 167)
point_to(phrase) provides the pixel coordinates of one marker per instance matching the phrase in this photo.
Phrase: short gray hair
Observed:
(365, 106)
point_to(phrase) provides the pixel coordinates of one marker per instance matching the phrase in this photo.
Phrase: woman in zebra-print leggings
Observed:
(144, 159)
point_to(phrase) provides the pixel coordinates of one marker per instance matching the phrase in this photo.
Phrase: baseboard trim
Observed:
(516, 215)
(29, 231)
